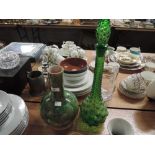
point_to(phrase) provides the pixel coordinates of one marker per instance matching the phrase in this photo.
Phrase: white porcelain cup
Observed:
(121, 49)
(119, 126)
(135, 51)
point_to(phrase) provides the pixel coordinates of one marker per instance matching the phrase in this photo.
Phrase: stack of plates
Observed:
(5, 107)
(81, 88)
(127, 62)
(17, 118)
(133, 65)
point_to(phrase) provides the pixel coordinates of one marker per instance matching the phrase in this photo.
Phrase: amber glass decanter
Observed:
(93, 110)
(59, 108)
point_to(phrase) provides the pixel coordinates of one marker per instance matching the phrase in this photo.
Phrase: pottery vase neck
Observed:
(55, 75)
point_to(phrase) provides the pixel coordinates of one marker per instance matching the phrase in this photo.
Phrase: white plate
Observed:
(4, 101)
(15, 117)
(75, 85)
(83, 92)
(84, 87)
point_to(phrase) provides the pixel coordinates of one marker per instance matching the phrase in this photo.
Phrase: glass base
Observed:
(106, 95)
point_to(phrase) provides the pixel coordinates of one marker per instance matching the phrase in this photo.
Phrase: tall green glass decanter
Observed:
(93, 111)
(59, 107)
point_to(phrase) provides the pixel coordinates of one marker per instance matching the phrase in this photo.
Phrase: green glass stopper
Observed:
(103, 31)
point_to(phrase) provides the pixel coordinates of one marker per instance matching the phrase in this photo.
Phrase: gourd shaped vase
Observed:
(59, 107)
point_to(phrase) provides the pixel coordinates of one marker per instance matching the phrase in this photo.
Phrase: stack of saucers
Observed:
(77, 78)
(13, 113)
(127, 61)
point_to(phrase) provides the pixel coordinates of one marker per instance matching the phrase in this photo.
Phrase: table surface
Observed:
(140, 113)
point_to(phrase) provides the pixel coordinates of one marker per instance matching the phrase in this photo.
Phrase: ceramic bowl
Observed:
(148, 76)
(75, 69)
(135, 83)
(74, 65)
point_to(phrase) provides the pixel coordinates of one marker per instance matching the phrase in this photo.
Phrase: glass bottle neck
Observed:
(99, 66)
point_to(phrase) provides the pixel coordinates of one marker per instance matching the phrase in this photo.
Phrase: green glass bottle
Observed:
(93, 109)
(59, 108)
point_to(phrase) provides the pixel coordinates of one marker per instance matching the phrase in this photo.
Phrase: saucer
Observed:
(141, 66)
(130, 65)
(127, 60)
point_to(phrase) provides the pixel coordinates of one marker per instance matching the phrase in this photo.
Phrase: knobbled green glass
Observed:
(93, 110)
(59, 107)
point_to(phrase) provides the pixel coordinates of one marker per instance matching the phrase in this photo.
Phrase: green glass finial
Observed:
(103, 31)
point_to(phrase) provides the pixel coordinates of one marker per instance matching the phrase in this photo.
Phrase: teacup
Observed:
(121, 49)
(119, 126)
(135, 51)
